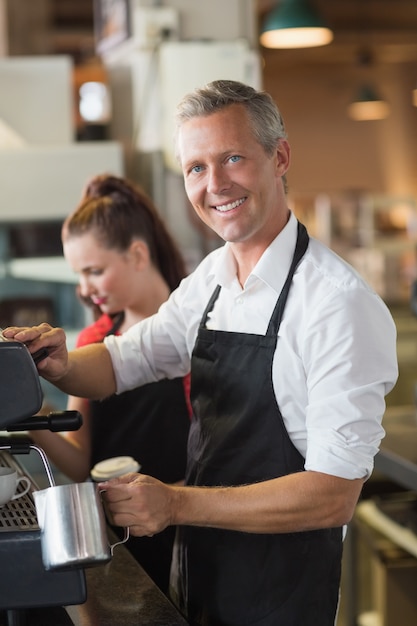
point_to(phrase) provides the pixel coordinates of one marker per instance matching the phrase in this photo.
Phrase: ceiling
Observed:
(347, 16)
(387, 27)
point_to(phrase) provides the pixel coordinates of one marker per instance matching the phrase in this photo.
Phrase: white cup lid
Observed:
(116, 466)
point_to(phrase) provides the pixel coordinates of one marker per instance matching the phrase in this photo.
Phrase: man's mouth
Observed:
(223, 208)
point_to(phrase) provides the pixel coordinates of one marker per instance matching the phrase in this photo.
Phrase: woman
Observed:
(127, 265)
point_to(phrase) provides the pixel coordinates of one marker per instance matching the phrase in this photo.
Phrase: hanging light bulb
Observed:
(368, 106)
(294, 24)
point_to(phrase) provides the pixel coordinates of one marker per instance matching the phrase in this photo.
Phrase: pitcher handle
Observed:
(125, 536)
(119, 543)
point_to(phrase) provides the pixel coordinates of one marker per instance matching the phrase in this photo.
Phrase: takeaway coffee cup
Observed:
(9, 483)
(114, 467)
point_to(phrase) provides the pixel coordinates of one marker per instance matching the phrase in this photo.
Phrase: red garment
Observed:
(96, 332)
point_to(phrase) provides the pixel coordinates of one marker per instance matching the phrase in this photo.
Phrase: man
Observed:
(291, 355)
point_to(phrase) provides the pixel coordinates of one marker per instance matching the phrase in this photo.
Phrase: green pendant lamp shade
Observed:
(294, 24)
(368, 106)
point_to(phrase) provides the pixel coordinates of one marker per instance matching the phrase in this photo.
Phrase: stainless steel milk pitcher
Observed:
(73, 526)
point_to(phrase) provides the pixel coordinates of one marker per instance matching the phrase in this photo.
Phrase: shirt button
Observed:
(239, 300)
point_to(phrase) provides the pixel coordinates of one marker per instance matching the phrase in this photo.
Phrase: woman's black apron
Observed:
(237, 437)
(150, 423)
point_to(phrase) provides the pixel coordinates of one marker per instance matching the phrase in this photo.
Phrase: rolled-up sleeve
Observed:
(351, 365)
(160, 346)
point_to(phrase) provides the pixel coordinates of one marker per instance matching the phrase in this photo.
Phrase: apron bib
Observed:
(237, 437)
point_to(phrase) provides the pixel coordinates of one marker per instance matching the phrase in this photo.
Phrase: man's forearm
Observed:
(86, 372)
(298, 502)
(89, 373)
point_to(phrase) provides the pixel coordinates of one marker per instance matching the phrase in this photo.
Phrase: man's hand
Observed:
(141, 502)
(40, 338)
(86, 372)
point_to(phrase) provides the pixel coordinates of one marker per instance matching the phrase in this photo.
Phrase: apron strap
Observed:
(300, 249)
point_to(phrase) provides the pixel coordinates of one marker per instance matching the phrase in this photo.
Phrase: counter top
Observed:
(121, 593)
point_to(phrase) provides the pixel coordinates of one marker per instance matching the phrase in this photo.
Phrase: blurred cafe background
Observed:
(90, 86)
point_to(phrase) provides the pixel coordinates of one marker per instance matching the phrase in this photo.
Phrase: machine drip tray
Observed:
(26, 586)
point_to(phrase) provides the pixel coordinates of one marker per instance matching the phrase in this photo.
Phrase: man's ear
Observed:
(283, 157)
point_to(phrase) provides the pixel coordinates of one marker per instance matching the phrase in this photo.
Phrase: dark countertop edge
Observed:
(392, 459)
(397, 468)
(121, 593)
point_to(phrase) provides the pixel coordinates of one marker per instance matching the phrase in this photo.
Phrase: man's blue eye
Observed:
(235, 158)
(197, 169)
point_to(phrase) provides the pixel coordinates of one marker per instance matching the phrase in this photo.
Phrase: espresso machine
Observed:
(25, 583)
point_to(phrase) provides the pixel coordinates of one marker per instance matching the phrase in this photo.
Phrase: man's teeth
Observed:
(228, 207)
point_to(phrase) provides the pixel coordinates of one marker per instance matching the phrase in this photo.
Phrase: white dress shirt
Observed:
(336, 350)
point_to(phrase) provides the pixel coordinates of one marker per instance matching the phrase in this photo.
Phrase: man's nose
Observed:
(218, 181)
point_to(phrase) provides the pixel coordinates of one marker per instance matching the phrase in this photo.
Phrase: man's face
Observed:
(233, 185)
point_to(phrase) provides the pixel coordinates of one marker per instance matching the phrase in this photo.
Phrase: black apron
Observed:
(237, 437)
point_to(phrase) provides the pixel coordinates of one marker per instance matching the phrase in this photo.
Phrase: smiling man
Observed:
(291, 355)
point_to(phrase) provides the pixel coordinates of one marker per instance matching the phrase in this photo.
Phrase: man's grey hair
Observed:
(266, 121)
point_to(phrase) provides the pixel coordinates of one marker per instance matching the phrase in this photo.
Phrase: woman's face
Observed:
(107, 276)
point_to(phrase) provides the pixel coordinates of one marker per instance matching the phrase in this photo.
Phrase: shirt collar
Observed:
(273, 266)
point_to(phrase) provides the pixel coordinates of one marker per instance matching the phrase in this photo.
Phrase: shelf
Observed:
(54, 177)
(50, 269)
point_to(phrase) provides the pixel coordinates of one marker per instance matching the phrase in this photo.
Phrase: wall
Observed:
(216, 19)
(330, 152)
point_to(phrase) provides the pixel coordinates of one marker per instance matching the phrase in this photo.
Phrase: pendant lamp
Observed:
(294, 24)
(368, 105)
